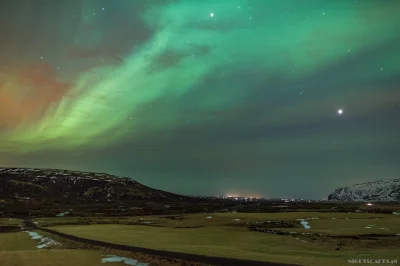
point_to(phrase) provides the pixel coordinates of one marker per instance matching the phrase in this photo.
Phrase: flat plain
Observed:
(332, 239)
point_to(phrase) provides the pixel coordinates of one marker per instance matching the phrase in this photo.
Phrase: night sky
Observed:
(272, 98)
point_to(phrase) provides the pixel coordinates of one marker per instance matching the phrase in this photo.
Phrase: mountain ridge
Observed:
(79, 183)
(378, 190)
(49, 192)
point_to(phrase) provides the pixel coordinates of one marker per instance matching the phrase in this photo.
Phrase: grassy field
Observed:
(51, 257)
(18, 249)
(196, 220)
(350, 227)
(10, 221)
(215, 237)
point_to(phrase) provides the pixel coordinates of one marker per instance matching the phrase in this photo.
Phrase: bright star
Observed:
(340, 111)
(211, 14)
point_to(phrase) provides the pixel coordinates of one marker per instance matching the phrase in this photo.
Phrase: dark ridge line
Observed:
(160, 253)
(130, 179)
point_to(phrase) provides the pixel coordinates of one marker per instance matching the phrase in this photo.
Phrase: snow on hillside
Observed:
(58, 175)
(57, 184)
(381, 190)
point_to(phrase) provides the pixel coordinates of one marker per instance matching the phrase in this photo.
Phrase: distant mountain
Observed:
(30, 185)
(381, 190)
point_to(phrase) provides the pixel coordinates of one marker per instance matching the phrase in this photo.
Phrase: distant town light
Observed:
(370, 204)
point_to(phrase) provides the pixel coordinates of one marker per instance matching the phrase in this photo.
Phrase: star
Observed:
(340, 111)
(211, 14)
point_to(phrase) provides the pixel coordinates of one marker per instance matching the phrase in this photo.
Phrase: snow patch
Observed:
(45, 242)
(62, 214)
(304, 223)
(127, 261)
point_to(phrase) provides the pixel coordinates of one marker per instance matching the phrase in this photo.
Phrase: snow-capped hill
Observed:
(381, 190)
(73, 186)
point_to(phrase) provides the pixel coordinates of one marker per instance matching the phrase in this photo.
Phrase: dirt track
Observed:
(160, 253)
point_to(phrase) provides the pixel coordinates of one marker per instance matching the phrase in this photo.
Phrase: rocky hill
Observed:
(381, 190)
(39, 184)
(63, 190)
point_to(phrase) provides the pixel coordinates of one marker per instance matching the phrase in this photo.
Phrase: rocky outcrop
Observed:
(381, 190)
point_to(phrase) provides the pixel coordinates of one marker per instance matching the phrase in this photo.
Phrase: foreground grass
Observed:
(214, 235)
(16, 241)
(17, 249)
(51, 257)
(10, 221)
(233, 242)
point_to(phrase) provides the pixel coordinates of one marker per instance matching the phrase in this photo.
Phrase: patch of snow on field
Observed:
(45, 242)
(127, 261)
(304, 223)
(62, 214)
(34, 235)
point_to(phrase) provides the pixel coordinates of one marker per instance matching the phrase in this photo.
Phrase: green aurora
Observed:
(211, 96)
